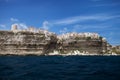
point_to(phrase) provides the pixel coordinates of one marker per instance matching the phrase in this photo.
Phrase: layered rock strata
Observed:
(23, 43)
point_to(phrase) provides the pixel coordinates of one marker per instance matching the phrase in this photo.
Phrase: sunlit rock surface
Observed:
(22, 43)
(43, 42)
(85, 43)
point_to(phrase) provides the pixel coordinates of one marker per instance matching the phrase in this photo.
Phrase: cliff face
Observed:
(25, 42)
(92, 46)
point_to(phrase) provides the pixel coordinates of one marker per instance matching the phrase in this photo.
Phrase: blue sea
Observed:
(59, 68)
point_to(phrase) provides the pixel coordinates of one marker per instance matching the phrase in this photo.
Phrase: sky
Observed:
(62, 16)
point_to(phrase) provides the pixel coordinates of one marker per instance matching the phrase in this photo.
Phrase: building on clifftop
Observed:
(14, 27)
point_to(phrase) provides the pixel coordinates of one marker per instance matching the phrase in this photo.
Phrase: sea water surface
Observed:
(59, 68)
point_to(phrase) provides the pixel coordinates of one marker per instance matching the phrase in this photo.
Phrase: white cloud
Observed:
(77, 27)
(97, 27)
(17, 22)
(23, 26)
(65, 30)
(76, 19)
(2, 25)
(45, 25)
(14, 20)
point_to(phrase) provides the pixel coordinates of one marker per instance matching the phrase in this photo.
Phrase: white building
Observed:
(14, 27)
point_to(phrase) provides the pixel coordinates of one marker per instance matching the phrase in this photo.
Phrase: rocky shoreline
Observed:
(57, 53)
